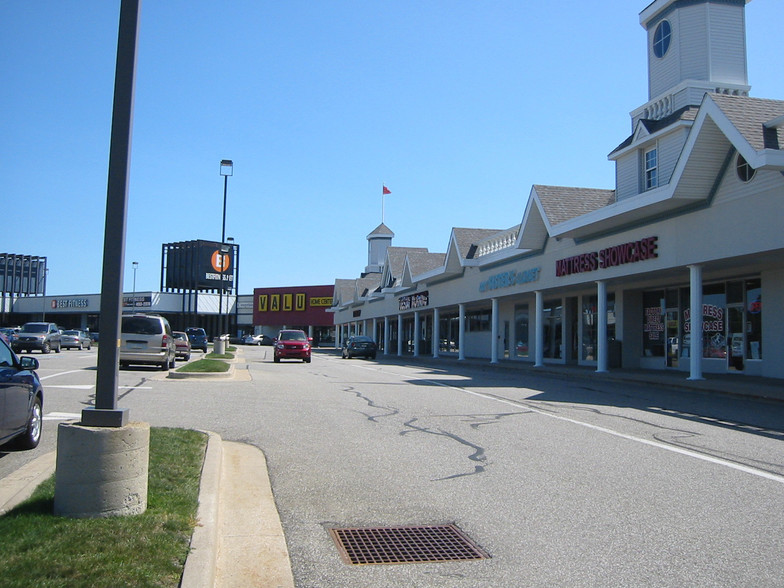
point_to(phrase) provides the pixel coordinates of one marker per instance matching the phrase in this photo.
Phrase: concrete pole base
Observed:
(101, 471)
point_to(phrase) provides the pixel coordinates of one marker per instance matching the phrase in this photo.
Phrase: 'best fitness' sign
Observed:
(630, 252)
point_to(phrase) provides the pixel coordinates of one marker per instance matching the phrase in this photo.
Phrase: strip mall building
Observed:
(667, 271)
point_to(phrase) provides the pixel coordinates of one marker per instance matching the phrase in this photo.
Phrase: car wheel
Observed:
(123, 365)
(277, 359)
(306, 360)
(373, 356)
(173, 362)
(46, 348)
(89, 346)
(32, 435)
(165, 365)
(187, 356)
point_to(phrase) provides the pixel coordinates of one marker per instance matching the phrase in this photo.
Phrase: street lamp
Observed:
(226, 170)
(135, 265)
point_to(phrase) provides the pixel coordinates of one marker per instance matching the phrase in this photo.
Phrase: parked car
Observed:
(9, 333)
(197, 337)
(147, 339)
(22, 397)
(292, 344)
(182, 345)
(258, 340)
(37, 336)
(359, 346)
(75, 339)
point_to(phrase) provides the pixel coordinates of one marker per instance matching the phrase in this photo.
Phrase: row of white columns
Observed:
(695, 357)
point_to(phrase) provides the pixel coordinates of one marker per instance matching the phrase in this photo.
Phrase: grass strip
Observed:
(205, 366)
(40, 549)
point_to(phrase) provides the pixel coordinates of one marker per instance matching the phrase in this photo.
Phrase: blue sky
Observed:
(457, 106)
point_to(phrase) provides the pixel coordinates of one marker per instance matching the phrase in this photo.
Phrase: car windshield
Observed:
(70, 332)
(141, 325)
(195, 331)
(35, 328)
(292, 336)
(363, 339)
(180, 336)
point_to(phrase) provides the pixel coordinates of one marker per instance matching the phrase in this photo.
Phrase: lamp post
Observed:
(135, 265)
(226, 170)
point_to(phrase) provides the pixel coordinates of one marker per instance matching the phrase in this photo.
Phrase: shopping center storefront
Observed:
(688, 242)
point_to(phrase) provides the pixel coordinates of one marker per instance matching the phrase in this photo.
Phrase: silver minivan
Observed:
(147, 339)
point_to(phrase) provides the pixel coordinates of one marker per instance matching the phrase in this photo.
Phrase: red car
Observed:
(292, 345)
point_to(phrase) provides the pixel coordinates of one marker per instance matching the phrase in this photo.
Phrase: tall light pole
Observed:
(226, 170)
(135, 265)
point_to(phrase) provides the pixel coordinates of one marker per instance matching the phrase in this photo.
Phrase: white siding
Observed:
(693, 39)
(670, 148)
(728, 44)
(627, 176)
(664, 73)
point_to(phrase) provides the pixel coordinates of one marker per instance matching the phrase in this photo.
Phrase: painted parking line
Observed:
(61, 416)
(71, 386)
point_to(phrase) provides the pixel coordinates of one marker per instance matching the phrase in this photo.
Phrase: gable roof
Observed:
(723, 124)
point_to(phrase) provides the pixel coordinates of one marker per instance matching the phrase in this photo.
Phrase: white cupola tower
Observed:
(378, 242)
(694, 47)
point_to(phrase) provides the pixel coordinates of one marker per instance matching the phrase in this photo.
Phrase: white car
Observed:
(257, 340)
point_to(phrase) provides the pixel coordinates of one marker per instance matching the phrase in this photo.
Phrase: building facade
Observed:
(665, 271)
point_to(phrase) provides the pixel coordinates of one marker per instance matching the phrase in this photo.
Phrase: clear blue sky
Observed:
(459, 106)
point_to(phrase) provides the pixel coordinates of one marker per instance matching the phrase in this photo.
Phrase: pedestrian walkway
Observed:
(738, 384)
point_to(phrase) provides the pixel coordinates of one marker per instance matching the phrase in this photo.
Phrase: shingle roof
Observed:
(561, 204)
(652, 126)
(421, 262)
(466, 240)
(749, 115)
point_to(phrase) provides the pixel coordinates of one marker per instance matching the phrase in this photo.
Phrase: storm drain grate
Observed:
(395, 545)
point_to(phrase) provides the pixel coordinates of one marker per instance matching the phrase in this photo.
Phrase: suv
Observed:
(292, 345)
(41, 336)
(197, 337)
(147, 339)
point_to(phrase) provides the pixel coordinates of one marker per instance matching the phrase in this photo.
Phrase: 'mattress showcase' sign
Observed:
(630, 252)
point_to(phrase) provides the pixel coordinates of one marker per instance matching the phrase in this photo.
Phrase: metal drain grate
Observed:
(394, 545)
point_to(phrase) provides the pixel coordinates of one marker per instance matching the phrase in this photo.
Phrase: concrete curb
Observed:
(199, 569)
(197, 375)
(19, 485)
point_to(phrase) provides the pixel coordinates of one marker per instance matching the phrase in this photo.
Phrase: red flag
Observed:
(385, 191)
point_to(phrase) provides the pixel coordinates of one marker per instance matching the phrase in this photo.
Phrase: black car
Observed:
(198, 338)
(22, 397)
(359, 346)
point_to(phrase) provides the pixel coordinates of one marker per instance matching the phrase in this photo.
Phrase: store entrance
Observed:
(736, 340)
(671, 338)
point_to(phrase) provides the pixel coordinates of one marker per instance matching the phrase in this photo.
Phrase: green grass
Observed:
(205, 366)
(40, 549)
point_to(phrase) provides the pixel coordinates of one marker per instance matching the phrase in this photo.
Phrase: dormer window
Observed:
(651, 169)
(661, 39)
(745, 171)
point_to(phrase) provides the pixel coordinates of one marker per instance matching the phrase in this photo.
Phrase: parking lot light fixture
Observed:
(226, 170)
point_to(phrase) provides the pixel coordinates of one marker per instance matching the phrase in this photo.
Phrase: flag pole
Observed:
(382, 203)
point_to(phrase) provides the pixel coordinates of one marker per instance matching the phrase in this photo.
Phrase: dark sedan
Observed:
(22, 397)
(359, 346)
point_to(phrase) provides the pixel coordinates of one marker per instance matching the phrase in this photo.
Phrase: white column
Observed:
(539, 355)
(461, 331)
(338, 336)
(375, 328)
(400, 334)
(695, 353)
(494, 330)
(436, 332)
(416, 333)
(386, 335)
(601, 335)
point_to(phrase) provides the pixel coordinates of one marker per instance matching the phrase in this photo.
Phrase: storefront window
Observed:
(754, 319)
(553, 329)
(521, 330)
(714, 307)
(653, 324)
(478, 321)
(449, 333)
(590, 336)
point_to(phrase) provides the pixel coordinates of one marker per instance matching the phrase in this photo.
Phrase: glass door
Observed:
(671, 337)
(736, 339)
